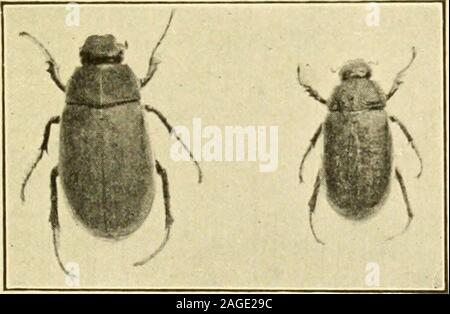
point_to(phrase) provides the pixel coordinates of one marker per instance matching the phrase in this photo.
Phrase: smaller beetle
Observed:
(357, 156)
(105, 162)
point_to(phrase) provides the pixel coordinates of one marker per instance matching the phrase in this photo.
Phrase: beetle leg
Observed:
(153, 64)
(399, 177)
(53, 68)
(169, 219)
(410, 141)
(171, 131)
(398, 79)
(312, 206)
(42, 149)
(54, 220)
(311, 91)
(310, 147)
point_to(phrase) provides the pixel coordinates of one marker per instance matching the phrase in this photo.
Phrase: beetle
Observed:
(105, 163)
(357, 161)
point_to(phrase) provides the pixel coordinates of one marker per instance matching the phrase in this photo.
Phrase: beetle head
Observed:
(100, 49)
(357, 68)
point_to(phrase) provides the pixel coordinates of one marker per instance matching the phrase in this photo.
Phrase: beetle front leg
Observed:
(311, 91)
(310, 147)
(169, 219)
(398, 79)
(410, 141)
(42, 149)
(171, 131)
(54, 220)
(401, 182)
(153, 63)
(53, 68)
(312, 206)
(153, 66)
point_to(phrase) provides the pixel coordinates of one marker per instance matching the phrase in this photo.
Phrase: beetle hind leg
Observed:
(399, 177)
(169, 219)
(312, 206)
(54, 220)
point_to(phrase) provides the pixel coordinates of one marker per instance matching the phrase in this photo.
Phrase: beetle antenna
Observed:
(335, 70)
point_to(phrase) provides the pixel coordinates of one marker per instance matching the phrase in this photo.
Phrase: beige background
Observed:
(234, 65)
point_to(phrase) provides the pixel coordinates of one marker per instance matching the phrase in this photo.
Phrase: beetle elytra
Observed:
(357, 157)
(105, 161)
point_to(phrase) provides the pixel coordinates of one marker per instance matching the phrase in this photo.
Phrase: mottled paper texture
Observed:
(246, 226)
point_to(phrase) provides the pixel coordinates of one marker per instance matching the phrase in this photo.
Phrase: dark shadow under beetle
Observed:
(357, 159)
(105, 161)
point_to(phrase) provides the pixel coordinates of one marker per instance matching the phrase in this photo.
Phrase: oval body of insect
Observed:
(357, 148)
(105, 158)
(357, 160)
(106, 166)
